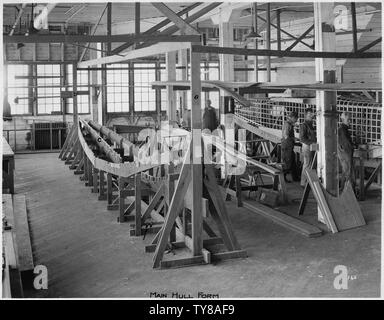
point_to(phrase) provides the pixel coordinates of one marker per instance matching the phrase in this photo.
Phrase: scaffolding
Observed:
(271, 113)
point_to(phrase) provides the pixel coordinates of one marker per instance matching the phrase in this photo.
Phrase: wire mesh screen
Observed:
(365, 116)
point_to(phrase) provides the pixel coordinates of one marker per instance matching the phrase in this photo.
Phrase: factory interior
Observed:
(191, 150)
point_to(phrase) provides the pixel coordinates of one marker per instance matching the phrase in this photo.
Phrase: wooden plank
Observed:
(283, 219)
(155, 28)
(57, 38)
(15, 283)
(370, 45)
(23, 239)
(182, 262)
(319, 194)
(7, 150)
(257, 131)
(153, 203)
(6, 283)
(345, 209)
(354, 26)
(372, 177)
(102, 185)
(155, 49)
(292, 54)
(66, 142)
(326, 118)
(300, 38)
(174, 209)
(138, 221)
(220, 256)
(177, 20)
(219, 212)
(196, 154)
(7, 202)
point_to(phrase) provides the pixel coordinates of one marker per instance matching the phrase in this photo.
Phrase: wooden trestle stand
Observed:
(169, 212)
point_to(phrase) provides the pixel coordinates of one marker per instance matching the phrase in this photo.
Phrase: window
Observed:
(144, 95)
(83, 101)
(18, 96)
(48, 90)
(118, 88)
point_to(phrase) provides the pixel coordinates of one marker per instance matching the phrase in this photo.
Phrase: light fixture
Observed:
(253, 34)
(31, 28)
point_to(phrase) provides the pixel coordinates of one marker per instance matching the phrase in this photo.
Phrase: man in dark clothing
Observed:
(6, 109)
(287, 144)
(209, 117)
(307, 137)
(345, 148)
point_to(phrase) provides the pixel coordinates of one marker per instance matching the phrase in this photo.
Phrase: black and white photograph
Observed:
(193, 152)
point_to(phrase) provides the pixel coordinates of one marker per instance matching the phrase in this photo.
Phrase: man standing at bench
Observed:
(307, 137)
(345, 148)
(209, 117)
(287, 145)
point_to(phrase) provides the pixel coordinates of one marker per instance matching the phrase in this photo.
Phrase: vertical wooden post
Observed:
(50, 135)
(95, 177)
(196, 156)
(158, 93)
(183, 62)
(354, 26)
(94, 81)
(137, 18)
(256, 61)
(170, 61)
(138, 204)
(74, 82)
(32, 83)
(109, 188)
(278, 30)
(101, 185)
(107, 46)
(33, 136)
(85, 176)
(268, 41)
(131, 80)
(109, 26)
(325, 39)
(171, 189)
(90, 173)
(63, 82)
(104, 99)
(226, 74)
(121, 185)
(361, 176)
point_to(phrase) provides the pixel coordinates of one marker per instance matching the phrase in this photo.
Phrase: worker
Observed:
(307, 137)
(287, 145)
(345, 148)
(209, 117)
(6, 109)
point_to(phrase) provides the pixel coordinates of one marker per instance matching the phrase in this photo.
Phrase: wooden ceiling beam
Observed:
(177, 20)
(93, 31)
(156, 49)
(296, 42)
(155, 28)
(190, 19)
(280, 53)
(39, 38)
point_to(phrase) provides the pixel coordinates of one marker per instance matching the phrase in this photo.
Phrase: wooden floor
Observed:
(88, 254)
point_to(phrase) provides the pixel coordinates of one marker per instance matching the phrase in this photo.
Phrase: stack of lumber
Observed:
(16, 244)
